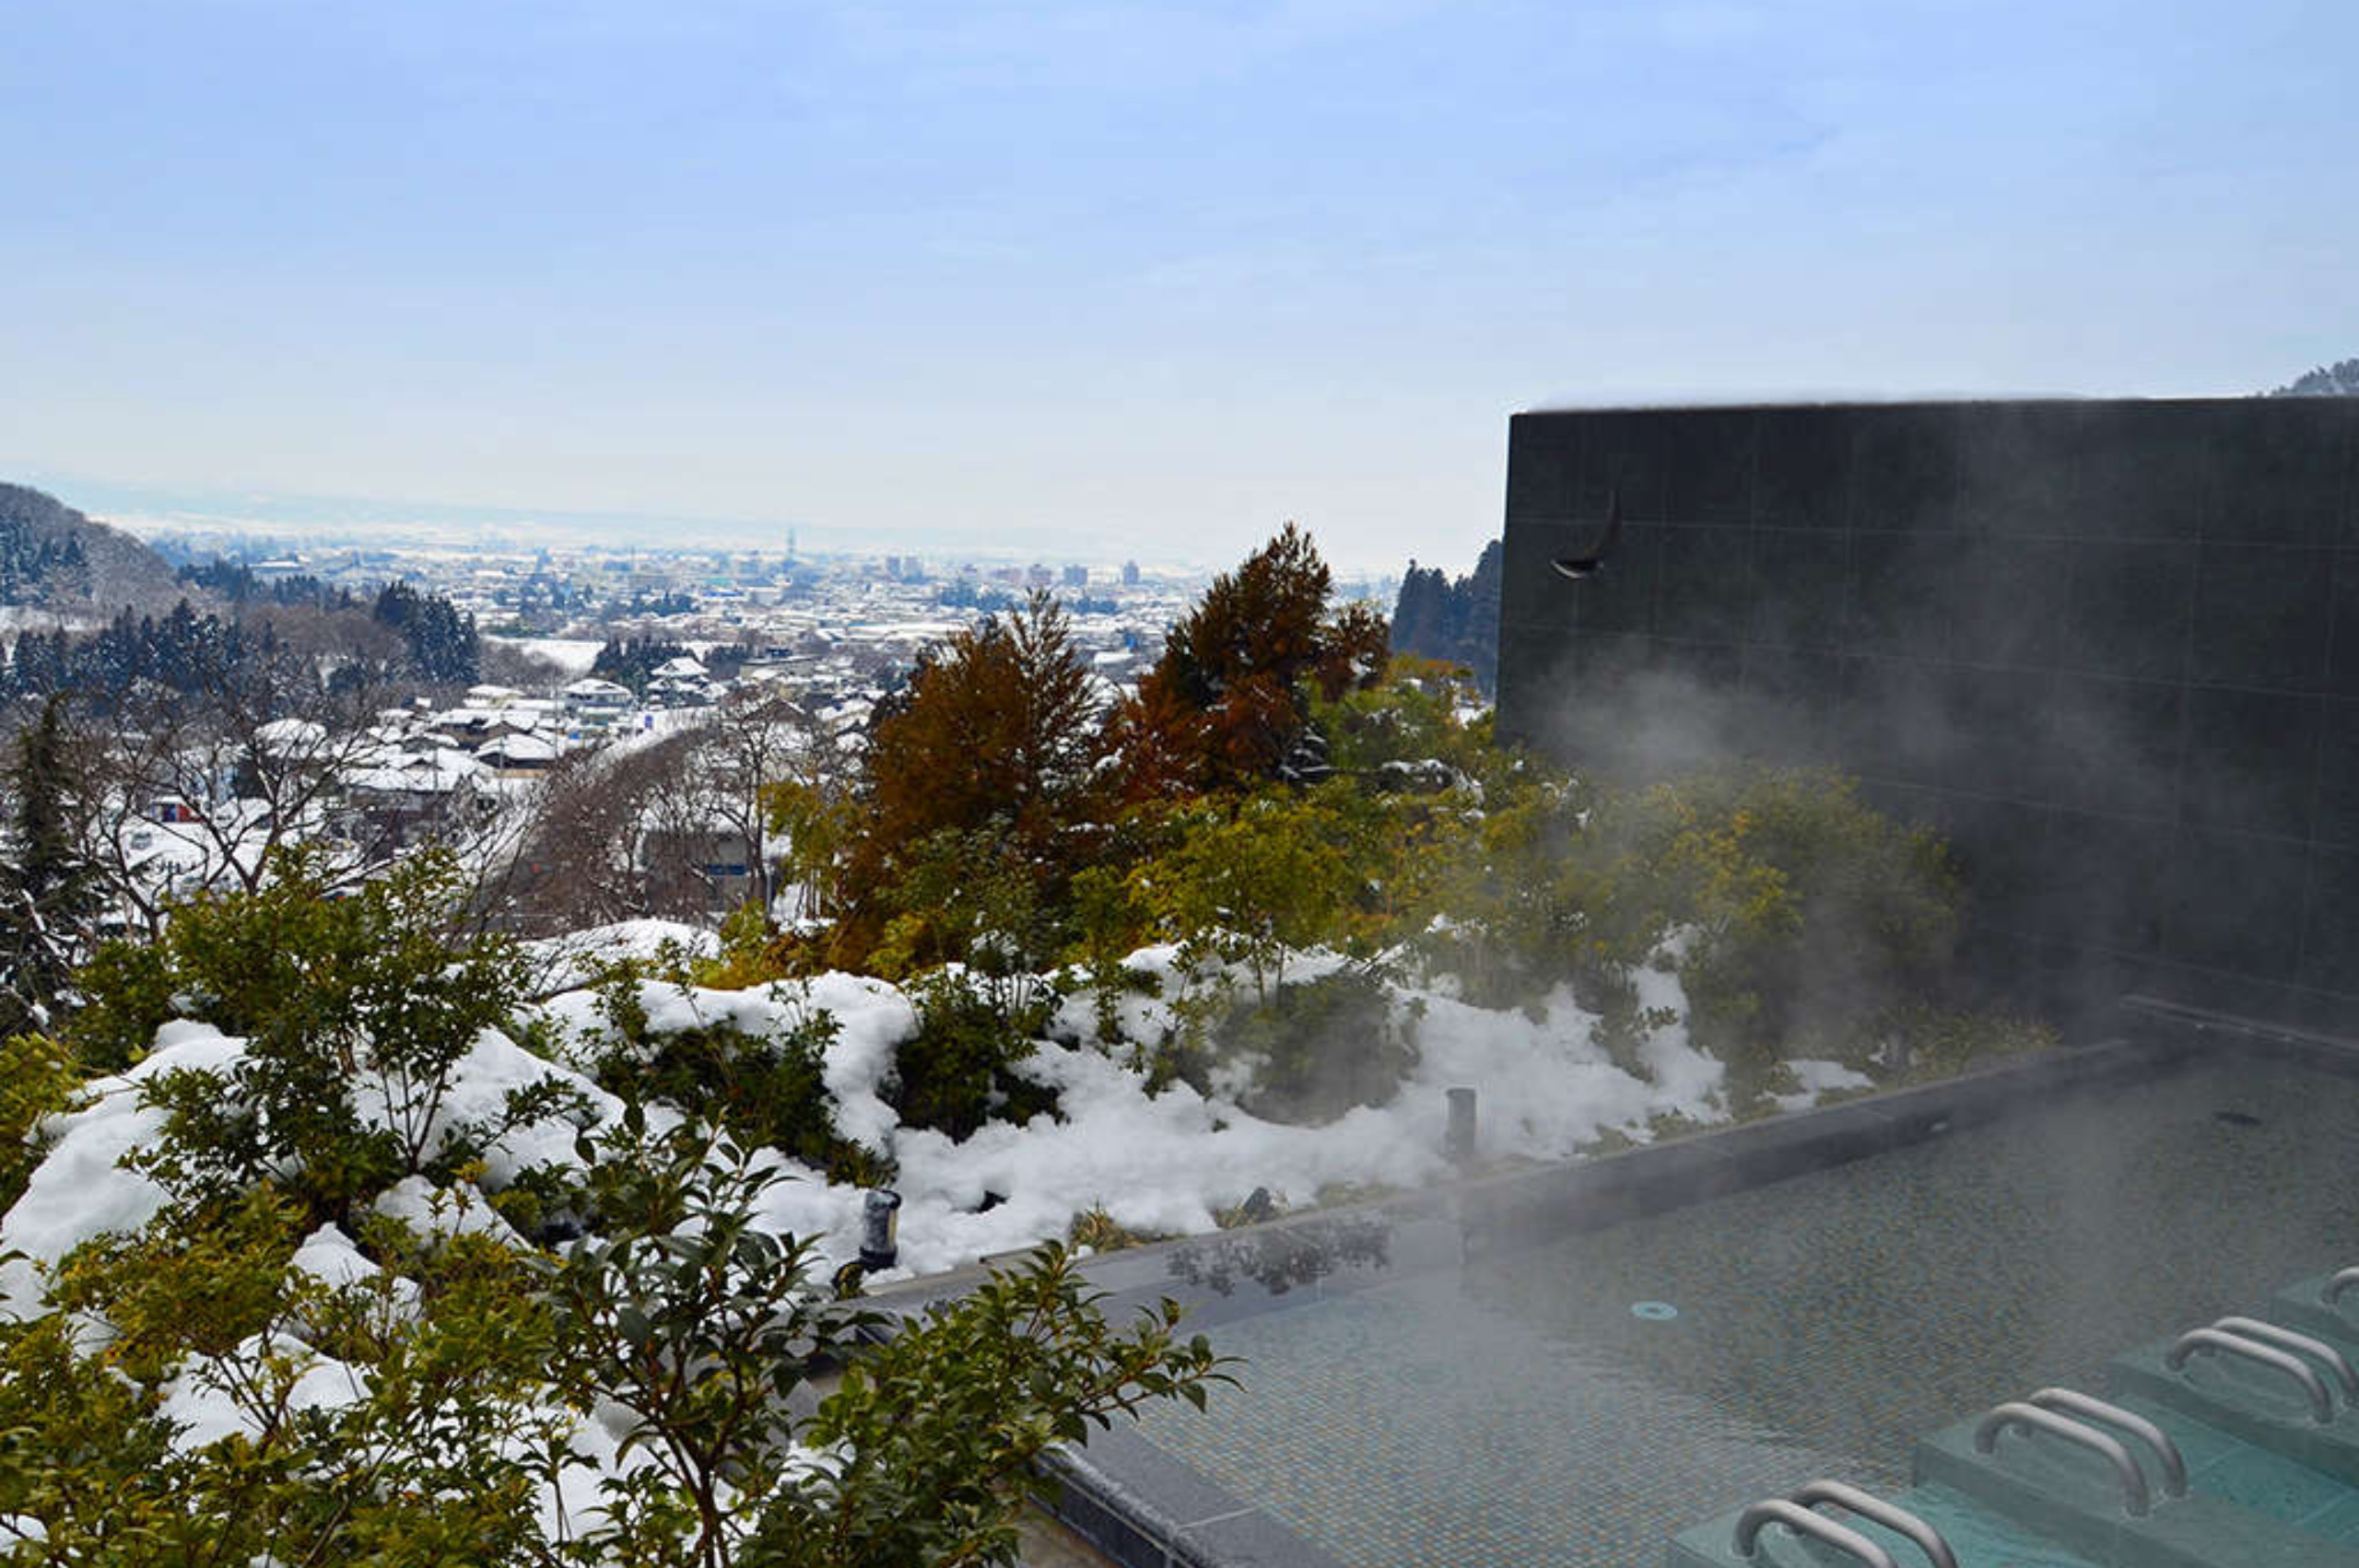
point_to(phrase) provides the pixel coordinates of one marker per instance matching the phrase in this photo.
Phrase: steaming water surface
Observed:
(1515, 1410)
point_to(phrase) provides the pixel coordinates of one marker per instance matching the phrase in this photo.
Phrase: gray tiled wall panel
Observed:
(2110, 648)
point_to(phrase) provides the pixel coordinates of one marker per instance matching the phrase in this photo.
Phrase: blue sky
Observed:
(1113, 279)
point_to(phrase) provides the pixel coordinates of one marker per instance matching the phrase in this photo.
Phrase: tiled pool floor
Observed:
(1515, 1410)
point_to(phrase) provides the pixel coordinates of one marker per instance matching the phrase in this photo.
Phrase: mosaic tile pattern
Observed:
(1516, 1410)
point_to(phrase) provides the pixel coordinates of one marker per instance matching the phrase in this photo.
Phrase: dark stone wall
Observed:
(2110, 648)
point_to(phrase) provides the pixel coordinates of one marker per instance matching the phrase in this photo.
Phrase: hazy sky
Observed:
(1115, 279)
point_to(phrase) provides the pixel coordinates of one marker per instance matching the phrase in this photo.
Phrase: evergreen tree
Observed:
(48, 895)
(1456, 623)
(2341, 379)
(442, 643)
(1229, 703)
(996, 735)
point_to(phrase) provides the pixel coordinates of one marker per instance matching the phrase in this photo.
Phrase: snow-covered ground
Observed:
(19, 619)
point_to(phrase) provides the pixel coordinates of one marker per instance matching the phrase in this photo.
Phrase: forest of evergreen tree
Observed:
(33, 555)
(186, 651)
(1456, 623)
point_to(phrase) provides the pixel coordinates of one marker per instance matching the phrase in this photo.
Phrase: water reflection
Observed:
(1280, 1257)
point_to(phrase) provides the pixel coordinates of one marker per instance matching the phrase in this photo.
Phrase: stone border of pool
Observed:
(1146, 1508)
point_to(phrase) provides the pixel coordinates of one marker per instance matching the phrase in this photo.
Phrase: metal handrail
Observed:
(2071, 1401)
(1891, 1515)
(2294, 1366)
(2286, 1339)
(2344, 1279)
(1802, 1522)
(2134, 1497)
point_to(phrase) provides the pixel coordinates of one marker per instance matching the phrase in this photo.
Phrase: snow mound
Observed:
(1167, 1161)
(81, 1190)
(198, 1399)
(578, 958)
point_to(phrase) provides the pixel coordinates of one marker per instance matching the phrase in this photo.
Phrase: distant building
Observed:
(1130, 574)
(1076, 577)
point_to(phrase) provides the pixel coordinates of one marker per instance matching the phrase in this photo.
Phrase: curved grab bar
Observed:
(1891, 1515)
(1802, 1522)
(2343, 1279)
(2286, 1362)
(2134, 1497)
(2285, 1338)
(2071, 1401)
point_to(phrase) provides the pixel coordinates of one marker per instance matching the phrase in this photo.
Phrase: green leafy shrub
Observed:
(426, 1463)
(38, 1077)
(1326, 1045)
(1801, 914)
(181, 1287)
(126, 990)
(940, 1428)
(767, 1090)
(1508, 916)
(1109, 926)
(1249, 881)
(338, 998)
(958, 1070)
(705, 1328)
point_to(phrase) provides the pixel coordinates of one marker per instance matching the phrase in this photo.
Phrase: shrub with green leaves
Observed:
(1804, 916)
(424, 1462)
(707, 1329)
(1250, 881)
(766, 1090)
(357, 1012)
(958, 1070)
(38, 1077)
(1325, 1045)
(460, 1386)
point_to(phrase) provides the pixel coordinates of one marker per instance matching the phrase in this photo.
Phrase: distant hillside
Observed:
(52, 558)
(2327, 380)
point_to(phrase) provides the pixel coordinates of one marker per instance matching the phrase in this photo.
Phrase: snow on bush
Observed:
(578, 958)
(81, 1190)
(1163, 1162)
(1166, 1162)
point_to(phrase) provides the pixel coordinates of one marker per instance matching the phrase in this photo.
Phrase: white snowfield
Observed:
(1160, 1162)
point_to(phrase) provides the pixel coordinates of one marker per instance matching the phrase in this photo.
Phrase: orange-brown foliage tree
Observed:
(1229, 703)
(998, 729)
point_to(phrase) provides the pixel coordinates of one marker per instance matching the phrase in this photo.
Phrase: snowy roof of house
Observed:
(519, 748)
(441, 772)
(290, 734)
